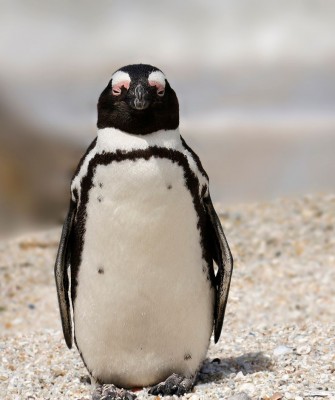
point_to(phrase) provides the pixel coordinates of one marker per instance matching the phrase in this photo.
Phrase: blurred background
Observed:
(255, 80)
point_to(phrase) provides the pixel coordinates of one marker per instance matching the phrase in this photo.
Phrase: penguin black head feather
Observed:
(138, 100)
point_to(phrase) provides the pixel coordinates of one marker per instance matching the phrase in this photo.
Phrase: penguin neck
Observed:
(110, 140)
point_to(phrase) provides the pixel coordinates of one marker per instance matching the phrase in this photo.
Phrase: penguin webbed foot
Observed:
(174, 384)
(111, 392)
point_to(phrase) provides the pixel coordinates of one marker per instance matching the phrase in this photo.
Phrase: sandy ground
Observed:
(278, 338)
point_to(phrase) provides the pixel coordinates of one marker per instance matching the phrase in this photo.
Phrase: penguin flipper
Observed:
(224, 260)
(61, 276)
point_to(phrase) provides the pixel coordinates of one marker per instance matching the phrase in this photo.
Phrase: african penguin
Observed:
(136, 284)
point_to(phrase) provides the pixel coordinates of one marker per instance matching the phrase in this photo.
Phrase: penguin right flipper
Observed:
(223, 258)
(61, 275)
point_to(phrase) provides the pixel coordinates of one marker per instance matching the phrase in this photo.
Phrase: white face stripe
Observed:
(157, 77)
(154, 78)
(120, 76)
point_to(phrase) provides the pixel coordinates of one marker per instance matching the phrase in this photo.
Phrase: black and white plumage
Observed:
(134, 271)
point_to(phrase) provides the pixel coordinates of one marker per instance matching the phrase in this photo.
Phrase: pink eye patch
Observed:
(116, 89)
(159, 86)
(157, 79)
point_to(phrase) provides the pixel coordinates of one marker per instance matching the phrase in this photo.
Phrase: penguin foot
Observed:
(174, 384)
(111, 392)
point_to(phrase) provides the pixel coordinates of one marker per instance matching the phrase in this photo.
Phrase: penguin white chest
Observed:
(144, 305)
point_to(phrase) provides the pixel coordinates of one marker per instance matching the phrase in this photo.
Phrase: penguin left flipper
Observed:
(61, 275)
(174, 384)
(223, 258)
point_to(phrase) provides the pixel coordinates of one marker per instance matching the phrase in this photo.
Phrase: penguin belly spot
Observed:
(150, 313)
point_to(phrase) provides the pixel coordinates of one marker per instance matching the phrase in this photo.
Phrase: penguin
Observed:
(138, 290)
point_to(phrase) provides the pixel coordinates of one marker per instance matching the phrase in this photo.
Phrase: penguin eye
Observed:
(159, 87)
(118, 86)
(161, 92)
(116, 90)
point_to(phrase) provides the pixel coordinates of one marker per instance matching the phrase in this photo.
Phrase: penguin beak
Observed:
(140, 101)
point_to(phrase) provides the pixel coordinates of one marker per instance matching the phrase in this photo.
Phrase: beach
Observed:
(278, 334)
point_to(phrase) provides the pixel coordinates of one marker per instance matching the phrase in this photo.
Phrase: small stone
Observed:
(194, 397)
(58, 372)
(302, 350)
(231, 384)
(276, 396)
(317, 393)
(239, 375)
(248, 388)
(298, 398)
(240, 396)
(281, 350)
(85, 379)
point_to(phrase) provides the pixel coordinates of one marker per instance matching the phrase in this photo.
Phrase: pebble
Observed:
(240, 396)
(319, 393)
(276, 396)
(239, 375)
(281, 350)
(302, 350)
(249, 388)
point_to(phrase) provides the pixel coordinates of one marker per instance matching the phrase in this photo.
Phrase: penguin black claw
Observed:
(111, 392)
(174, 384)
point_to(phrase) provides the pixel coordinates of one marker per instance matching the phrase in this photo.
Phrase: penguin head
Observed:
(138, 100)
